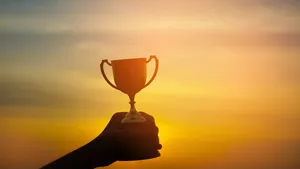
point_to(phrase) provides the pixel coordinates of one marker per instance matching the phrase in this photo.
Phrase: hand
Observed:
(124, 141)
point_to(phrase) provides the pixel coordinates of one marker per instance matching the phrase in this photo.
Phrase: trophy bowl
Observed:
(130, 74)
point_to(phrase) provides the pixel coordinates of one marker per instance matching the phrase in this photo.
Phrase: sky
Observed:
(226, 94)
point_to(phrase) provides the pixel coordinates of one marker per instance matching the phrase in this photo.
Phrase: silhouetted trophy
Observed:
(130, 77)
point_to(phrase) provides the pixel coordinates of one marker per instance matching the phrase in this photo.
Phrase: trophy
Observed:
(130, 77)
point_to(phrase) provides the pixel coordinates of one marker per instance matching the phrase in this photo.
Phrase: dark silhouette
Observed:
(118, 142)
(130, 76)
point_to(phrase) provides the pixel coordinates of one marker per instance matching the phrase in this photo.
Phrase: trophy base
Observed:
(133, 118)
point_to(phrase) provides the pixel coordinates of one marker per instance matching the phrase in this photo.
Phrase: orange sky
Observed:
(226, 94)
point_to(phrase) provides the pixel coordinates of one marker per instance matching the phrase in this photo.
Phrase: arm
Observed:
(118, 141)
(82, 158)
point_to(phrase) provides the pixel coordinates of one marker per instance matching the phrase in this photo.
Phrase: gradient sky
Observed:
(227, 94)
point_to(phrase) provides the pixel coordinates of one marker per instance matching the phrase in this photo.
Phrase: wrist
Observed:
(98, 153)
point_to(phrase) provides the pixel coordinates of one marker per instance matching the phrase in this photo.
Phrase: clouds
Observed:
(96, 16)
(49, 92)
(50, 39)
(19, 93)
(226, 66)
(28, 92)
(26, 7)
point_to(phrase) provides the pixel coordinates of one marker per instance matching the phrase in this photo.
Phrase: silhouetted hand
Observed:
(118, 141)
(125, 141)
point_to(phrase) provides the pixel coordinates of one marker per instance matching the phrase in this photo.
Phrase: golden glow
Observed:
(226, 94)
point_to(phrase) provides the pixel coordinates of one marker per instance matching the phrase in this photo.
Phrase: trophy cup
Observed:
(130, 77)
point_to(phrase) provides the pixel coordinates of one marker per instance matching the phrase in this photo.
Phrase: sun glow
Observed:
(226, 93)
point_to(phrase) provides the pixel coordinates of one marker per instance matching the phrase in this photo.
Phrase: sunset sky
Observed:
(227, 93)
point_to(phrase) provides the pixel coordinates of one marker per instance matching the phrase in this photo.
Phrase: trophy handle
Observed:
(156, 68)
(104, 75)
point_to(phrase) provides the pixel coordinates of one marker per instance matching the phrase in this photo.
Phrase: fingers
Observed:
(116, 122)
(144, 138)
(134, 142)
(159, 146)
(145, 132)
(125, 139)
(120, 115)
(117, 117)
(148, 117)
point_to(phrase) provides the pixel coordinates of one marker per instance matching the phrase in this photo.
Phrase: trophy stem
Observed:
(132, 102)
(133, 116)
